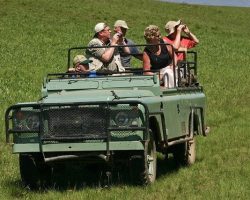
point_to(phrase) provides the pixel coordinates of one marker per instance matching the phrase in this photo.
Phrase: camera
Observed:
(119, 34)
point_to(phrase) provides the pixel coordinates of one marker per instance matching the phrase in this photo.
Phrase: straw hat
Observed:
(170, 26)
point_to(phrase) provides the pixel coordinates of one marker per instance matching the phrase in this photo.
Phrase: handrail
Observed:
(111, 46)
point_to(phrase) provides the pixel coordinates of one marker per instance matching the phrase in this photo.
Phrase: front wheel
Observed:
(143, 166)
(150, 162)
(35, 174)
(184, 153)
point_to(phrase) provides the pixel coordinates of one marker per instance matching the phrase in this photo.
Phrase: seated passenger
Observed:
(106, 58)
(80, 64)
(158, 57)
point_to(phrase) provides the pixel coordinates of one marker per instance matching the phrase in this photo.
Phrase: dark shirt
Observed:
(159, 61)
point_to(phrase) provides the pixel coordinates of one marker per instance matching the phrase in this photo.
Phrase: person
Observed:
(174, 30)
(80, 64)
(158, 57)
(121, 26)
(106, 58)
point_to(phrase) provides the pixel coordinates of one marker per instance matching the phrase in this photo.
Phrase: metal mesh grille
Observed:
(75, 123)
(78, 121)
(25, 120)
(126, 135)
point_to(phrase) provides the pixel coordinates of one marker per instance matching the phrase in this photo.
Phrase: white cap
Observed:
(99, 27)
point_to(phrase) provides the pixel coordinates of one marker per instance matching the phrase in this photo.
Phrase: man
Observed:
(121, 26)
(174, 30)
(80, 64)
(106, 58)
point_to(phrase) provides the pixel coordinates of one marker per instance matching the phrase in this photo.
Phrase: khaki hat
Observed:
(121, 23)
(170, 26)
(81, 59)
(99, 27)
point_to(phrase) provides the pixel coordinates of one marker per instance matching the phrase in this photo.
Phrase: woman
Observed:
(158, 57)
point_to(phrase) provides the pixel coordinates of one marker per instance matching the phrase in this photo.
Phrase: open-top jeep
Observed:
(109, 118)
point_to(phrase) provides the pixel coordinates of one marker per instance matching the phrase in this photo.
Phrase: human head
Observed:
(152, 34)
(102, 31)
(170, 27)
(81, 63)
(121, 26)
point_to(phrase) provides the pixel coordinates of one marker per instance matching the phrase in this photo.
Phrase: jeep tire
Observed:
(184, 153)
(35, 174)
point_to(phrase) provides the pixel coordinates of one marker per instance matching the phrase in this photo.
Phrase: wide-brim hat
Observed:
(170, 26)
(81, 59)
(121, 23)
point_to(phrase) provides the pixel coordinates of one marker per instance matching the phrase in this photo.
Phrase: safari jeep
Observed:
(109, 118)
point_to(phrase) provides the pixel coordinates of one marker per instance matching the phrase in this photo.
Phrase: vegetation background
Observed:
(34, 37)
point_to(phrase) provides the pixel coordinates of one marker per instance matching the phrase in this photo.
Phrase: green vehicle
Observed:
(110, 119)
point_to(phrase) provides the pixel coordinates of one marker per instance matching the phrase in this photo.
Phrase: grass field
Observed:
(34, 37)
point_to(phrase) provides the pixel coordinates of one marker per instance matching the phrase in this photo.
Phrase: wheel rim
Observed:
(191, 152)
(151, 161)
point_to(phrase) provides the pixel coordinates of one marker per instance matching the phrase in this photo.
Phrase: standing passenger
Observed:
(174, 30)
(158, 57)
(121, 26)
(106, 58)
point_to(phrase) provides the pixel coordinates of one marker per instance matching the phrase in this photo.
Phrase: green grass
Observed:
(34, 37)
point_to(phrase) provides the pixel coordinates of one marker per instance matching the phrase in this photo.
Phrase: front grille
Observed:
(78, 122)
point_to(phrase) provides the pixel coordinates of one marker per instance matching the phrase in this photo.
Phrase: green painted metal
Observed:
(104, 117)
(174, 104)
(170, 109)
(76, 147)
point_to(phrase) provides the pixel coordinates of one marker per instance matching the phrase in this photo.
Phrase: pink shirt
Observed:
(185, 42)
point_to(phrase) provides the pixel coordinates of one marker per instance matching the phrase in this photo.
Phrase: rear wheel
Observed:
(35, 174)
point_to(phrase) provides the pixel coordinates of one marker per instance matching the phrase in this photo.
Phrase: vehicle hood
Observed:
(95, 96)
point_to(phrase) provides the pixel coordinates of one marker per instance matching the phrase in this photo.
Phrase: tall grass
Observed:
(34, 37)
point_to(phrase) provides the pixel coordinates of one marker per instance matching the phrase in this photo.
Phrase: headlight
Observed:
(129, 117)
(25, 121)
(122, 119)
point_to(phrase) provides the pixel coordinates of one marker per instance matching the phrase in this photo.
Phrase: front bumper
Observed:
(78, 147)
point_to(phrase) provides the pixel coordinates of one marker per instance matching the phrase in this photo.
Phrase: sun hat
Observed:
(81, 59)
(170, 26)
(121, 23)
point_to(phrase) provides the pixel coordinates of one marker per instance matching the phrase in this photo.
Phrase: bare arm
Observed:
(109, 52)
(146, 63)
(107, 55)
(177, 41)
(191, 35)
(126, 50)
(173, 55)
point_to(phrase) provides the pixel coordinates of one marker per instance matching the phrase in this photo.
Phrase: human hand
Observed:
(117, 37)
(81, 68)
(181, 27)
(186, 30)
(77, 68)
(121, 37)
